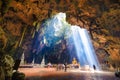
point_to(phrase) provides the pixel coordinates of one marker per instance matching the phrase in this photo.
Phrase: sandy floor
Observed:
(71, 74)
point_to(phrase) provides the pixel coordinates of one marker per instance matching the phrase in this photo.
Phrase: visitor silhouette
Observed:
(94, 67)
(65, 67)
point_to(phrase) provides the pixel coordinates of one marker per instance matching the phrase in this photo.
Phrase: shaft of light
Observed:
(84, 48)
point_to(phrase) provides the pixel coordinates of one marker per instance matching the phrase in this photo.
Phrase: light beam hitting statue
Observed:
(84, 48)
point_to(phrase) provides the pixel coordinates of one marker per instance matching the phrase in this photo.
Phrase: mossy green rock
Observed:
(2, 75)
(18, 76)
(6, 65)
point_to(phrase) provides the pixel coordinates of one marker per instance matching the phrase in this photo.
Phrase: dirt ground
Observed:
(71, 74)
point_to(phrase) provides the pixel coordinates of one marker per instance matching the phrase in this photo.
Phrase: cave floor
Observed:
(37, 73)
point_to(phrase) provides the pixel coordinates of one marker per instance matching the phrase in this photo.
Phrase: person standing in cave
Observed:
(94, 67)
(65, 66)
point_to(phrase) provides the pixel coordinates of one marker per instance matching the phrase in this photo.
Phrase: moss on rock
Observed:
(6, 67)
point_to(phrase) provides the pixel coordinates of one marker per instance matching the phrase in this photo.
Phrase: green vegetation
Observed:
(6, 65)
